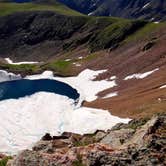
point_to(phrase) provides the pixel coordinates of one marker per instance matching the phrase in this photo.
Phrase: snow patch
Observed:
(5, 76)
(140, 75)
(78, 65)
(113, 78)
(44, 75)
(67, 60)
(113, 94)
(80, 57)
(146, 5)
(162, 87)
(18, 63)
(84, 83)
(157, 22)
(24, 121)
(90, 14)
(152, 19)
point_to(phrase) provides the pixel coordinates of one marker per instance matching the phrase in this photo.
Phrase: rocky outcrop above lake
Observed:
(141, 142)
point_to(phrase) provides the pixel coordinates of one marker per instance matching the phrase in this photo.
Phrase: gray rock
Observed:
(117, 137)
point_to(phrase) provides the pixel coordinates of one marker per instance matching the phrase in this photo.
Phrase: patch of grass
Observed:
(32, 68)
(4, 161)
(60, 66)
(87, 140)
(81, 143)
(144, 31)
(113, 34)
(78, 162)
(137, 123)
(90, 57)
(100, 22)
(9, 8)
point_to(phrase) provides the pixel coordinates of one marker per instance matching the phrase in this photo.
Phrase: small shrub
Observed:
(4, 161)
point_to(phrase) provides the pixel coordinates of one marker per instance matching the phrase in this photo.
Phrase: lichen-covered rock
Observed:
(118, 137)
(143, 145)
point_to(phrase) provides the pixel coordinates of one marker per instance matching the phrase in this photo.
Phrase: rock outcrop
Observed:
(133, 144)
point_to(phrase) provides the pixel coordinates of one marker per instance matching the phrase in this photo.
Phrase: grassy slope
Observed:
(108, 32)
(145, 31)
(106, 36)
(9, 8)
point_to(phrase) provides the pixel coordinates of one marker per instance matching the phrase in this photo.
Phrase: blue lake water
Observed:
(21, 88)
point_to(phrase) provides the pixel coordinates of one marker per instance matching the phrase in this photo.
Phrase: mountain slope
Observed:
(133, 55)
(140, 9)
(83, 6)
(151, 10)
(136, 9)
(9, 8)
(69, 44)
(28, 30)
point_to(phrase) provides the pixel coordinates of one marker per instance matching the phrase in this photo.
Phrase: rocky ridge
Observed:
(141, 142)
(151, 10)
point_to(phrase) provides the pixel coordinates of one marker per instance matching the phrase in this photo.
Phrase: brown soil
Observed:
(137, 97)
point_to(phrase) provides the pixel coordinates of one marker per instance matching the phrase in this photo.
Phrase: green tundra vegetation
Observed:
(103, 33)
(4, 161)
(9, 8)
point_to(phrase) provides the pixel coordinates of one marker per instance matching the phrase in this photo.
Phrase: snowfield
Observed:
(9, 61)
(162, 87)
(5, 76)
(113, 94)
(84, 83)
(140, 75)
(25, 120)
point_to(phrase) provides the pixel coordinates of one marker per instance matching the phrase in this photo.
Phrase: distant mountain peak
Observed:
(134, 9)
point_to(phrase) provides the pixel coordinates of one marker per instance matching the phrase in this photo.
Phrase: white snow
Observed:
(146, 5)
(113, 94)
(5, 76)
(67, 60)
(90, 14)
(140, 75)
(162, 87)
(18, 63)
(80, 57)
(84, 83)
(157, 22)
(25, 120)
(152, 19)
(113, 77)
(44, 75)
(78, 64)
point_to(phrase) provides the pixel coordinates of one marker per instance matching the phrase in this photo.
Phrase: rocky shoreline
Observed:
(141, 142)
